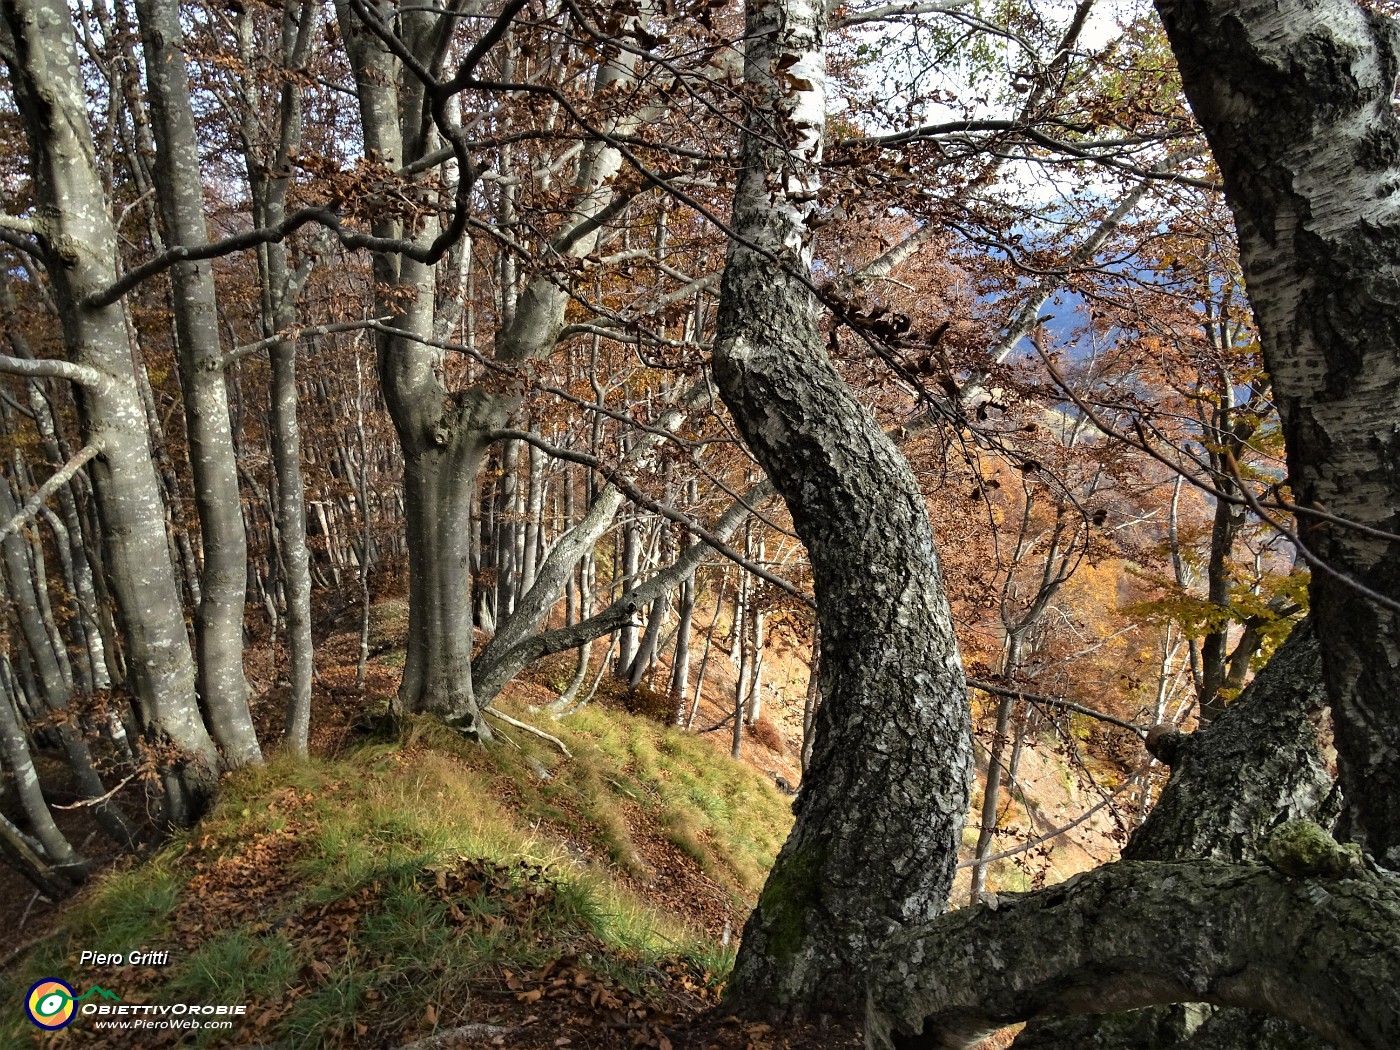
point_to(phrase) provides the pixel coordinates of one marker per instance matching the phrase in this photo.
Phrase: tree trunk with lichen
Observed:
(1260, 763)
(1296, 98)
(883, 802)
(39, 46)
(223, 580)
(1309, 936)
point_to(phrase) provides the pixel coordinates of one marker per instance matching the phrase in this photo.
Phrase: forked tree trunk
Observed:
(444, 435)
(881, 810)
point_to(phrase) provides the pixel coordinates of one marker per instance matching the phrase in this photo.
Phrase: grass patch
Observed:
(370, 898)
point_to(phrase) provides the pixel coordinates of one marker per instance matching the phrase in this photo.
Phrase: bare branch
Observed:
(905, 10)
(1051, 701)
(636, 495)
(100, 799)
(248, 349)
(60, 478)
(47, 367)
(527, 727)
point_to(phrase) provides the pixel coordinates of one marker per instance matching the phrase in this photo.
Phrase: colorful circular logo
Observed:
(50, 1004)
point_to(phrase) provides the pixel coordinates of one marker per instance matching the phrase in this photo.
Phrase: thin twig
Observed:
(100, 799)
(527, 727)
(60, 477)
(1055, 833)
(1051, 701)
(238, 353)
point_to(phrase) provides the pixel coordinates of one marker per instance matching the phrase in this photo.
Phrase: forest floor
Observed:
(412, 889)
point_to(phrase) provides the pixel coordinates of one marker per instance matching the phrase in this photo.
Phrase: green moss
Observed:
(368, 824)
(1300, 847)
(789, 898)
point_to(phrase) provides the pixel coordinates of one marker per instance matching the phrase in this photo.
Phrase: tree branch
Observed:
(636, 495)
(60, 478)
(1318, 950)
(46, 367)
(247, 349)
(1051, 701)
(527, 727)
(501, 670)
(906, 10)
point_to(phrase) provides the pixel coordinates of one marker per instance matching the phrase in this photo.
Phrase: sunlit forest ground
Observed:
(412, 888)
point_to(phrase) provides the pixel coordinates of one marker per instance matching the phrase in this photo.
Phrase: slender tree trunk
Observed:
(180, 191)
(279, 286)
(991, 794)
(367, 541)
(37, 43)
(754, 708)
(631, 567)
(507, 525)
(534, 519)
(680, 662)
(55, 686)
(20, 853)
(812, 701)
(996, 769)
(705, 656)
(15, 751)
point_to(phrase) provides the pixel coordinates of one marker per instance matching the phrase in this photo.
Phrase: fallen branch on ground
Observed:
(527, 727)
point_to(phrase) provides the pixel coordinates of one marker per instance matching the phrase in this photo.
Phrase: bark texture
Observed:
(1256, 766)
(223, 581)
(1317, 949)
(883, 803)
(38, 45)
(1295, 97)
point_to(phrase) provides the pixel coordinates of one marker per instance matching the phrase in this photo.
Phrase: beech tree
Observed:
(75, 237)
(886, 788)
(1308, 156)
(1297, 101)
(537, 265)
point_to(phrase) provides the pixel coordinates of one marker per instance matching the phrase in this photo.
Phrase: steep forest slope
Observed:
(410, 887)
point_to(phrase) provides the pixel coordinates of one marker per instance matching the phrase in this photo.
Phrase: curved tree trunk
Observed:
(1296, 98)
(882, 805)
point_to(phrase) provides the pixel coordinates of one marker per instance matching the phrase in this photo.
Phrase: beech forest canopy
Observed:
(603, 334)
